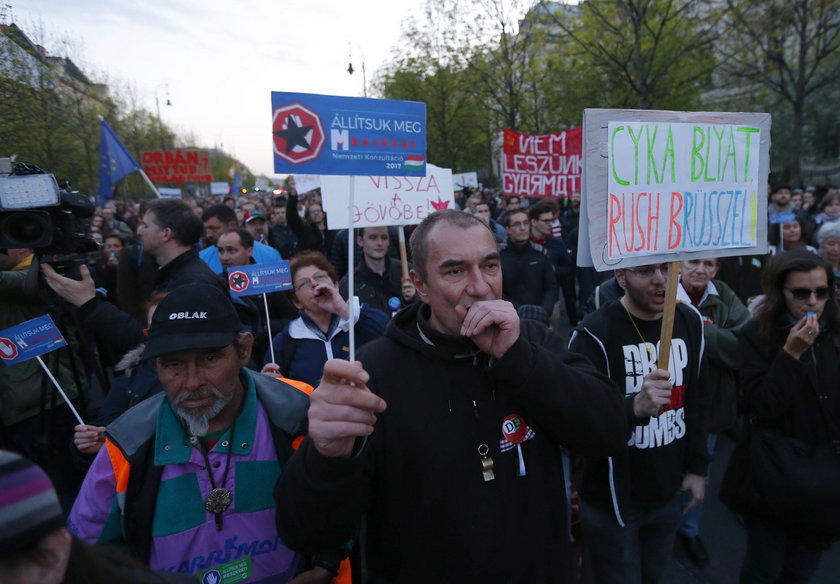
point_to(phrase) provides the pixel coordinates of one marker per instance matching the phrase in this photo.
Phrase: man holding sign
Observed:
(630, 504)
(460, 477)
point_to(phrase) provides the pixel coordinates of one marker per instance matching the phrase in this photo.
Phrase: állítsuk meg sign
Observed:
(351, 136)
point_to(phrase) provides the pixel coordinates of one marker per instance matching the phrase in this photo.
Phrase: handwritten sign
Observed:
(543, 165)
(177, 166)
(324, 134)
(388, 200)
(259, 278)
(666, 186)
(30, 339)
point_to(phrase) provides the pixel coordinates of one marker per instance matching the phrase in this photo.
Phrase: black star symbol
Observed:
(294, 135)
(238, 280)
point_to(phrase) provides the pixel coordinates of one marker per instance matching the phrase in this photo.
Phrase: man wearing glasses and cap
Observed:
(630, 504)
(185, 479)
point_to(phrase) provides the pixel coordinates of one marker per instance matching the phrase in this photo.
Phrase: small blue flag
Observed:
(259, 278)
(115, 161)
(29, 339)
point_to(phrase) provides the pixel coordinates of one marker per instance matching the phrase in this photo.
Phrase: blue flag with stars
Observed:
(115, 161)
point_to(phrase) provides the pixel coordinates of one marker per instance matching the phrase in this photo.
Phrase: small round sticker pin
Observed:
(514, 429)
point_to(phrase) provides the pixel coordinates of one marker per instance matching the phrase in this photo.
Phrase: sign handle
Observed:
(268, 327)
(61, 391)
(667, 330)
(351, 267)
(403, 253)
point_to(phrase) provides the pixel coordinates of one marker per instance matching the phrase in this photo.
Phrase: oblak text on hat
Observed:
(187, 315)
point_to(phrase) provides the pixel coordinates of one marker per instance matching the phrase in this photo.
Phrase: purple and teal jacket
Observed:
(146, 488)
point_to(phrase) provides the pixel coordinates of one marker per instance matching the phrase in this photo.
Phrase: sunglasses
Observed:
(821, 293)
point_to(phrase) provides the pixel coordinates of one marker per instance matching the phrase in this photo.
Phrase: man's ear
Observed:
(359, 240)
(420, 285)
(621, 278)
(246, 344)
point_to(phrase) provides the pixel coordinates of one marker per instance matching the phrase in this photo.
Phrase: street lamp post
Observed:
(350, 69)
(157, 105)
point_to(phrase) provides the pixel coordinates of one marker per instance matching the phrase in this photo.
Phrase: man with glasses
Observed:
(527, 270)
(630, 504)
(542, 216)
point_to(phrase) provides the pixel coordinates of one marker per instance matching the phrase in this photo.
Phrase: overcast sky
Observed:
(218, 61)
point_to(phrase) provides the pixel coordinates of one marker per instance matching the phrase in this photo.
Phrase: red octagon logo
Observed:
(298, 133)
(8, 350)
(238, 281)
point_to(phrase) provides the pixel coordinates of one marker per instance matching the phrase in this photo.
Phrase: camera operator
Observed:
(35, 420)
(169, 231)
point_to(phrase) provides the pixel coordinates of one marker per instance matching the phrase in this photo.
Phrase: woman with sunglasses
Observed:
(320, 332)
(790, 364)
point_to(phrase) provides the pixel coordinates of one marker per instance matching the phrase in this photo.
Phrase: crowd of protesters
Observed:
(200, 452)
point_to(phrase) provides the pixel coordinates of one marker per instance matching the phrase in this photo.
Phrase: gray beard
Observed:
(198, 423)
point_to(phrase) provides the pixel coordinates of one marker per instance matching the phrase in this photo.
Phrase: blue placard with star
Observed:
(350, 136)
(30, 339)
(259, 278)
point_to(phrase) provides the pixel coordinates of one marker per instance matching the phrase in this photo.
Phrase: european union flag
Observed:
(115, 162)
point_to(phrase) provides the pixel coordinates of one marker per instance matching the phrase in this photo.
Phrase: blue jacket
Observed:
(263, 254)
(302, 348)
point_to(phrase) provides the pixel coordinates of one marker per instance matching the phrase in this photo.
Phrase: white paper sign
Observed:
(465, 179)
(307, 182)
(666, 186)
(387, 200)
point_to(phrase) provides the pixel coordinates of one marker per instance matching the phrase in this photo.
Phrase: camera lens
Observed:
(27, 229)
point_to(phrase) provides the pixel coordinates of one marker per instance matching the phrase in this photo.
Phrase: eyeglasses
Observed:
(646, 272)
(318, 278)
(821, 293)
(519, 224)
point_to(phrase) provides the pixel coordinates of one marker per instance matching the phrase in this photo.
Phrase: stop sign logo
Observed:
(298, 133)
(8, 350)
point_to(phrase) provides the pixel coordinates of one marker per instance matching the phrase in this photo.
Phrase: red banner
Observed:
(543, 165)
(177, 166)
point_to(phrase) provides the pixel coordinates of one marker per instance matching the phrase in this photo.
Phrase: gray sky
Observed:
(218, 61)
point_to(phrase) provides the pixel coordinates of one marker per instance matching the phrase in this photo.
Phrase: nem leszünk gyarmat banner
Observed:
(543, 165)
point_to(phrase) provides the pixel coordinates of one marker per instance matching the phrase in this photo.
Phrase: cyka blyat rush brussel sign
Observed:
(676, 188)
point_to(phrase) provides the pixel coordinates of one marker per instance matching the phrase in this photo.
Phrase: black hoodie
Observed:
(661, 449)
(431, 515)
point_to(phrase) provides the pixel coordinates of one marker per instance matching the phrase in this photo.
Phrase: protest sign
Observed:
(177, 166)
(259, 278)
(542, 165)
(307, 182)
(219, 188)
(169, 193)
(387, 200)
(323, 134)
(30, 339)
(665, 186)
(465, 179)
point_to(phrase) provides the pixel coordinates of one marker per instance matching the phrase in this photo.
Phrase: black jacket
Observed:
(792, 396)
(431, 517)
(528, 275)
(123, 331)
(375, 290)
(650, 468)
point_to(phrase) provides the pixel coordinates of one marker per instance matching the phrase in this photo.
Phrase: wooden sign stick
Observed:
(668, 319)
(403, 252)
